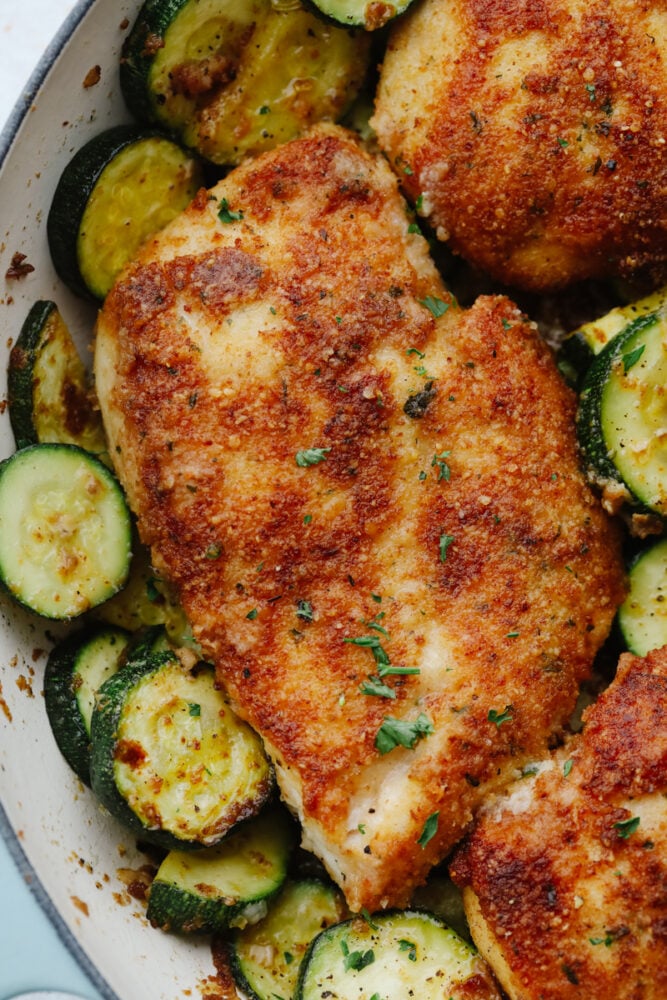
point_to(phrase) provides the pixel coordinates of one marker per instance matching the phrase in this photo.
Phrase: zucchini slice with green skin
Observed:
(75, 669)
(169, 758)
(119, 189)
(642, 618)
(236, 77)
(368, 14)
(65, 530)
(265, 958)
(622, 417)
(47, 387)
(582, 346)
(224, 886)
(395, 954)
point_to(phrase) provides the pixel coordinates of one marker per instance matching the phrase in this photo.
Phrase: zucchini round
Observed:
(65, 530)
(642, 618)
(396, 954)
(224, 886)
(75, 669)
(169, 758)
(236, 77)
(368, 14)
(47, 390)
(118, 190)
(265, 958)
(622, 417)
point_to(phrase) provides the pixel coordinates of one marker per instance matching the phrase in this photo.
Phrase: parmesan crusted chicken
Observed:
(367, 499)
(534, 134)
(566, 876)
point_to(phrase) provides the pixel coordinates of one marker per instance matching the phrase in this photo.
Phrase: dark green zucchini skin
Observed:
(19, 373)
(359, 13)
(138, 51)
(590, 430)
(60, 695)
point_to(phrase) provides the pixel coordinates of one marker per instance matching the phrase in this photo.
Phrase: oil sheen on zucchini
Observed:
(224, 886)
(622, 420)
(169, 758)
(236, 77)
(265, 958)
(394, 955)
(76, 668)
(65, 530)
(120, 188)
(47, 388)
(642, 618)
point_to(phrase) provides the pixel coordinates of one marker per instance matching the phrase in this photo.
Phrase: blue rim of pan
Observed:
(27, 872)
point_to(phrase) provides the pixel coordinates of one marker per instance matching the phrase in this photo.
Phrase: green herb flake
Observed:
(429, 831)
(307, 518)
(194, 710)
(607, 940)
(512, 635)
(377, 598)
(407, 169)
(563, 143)
(444, 472)
(226, 215)
(400, 732)
(410, 947)
(419, 203)
(413, 350)
(626, 827)
(213, 551)
(375, 686)
(373, 643)
(264, 110)
(311, 456)
(435, 306)
(152, 593)
(445, 542)
(356, 960)
(361, 828)
(369, 920)
(289, 957)
(423, 476)
(414, 229)
(499, 717)
(252, 615)
(632, 357)
(567, 767)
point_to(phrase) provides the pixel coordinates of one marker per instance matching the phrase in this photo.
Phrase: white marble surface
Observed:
(32, 955)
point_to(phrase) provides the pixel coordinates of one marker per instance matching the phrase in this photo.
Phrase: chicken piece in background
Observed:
(565, 876)
(533, 136)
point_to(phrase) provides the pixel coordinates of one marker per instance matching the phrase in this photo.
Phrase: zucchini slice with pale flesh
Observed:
(622, 419)
(265, 958)
(169, 758)
(642, 618)
(75, 669)
(65, 530)
(394, 955)
(224, 886)
(236, 77)
(119, 189)
(47, 386)
(368, 14)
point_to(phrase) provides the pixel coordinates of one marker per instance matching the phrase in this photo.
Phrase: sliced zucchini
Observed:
(236, 77)
(75, 669)
(368, 14)
(65, 530)
(119, 189)
(642, 618)
(224, 886)
(169, 758)
(47, 387)
(584, 344)
(396, 954)
(265, 958)
(622, 420)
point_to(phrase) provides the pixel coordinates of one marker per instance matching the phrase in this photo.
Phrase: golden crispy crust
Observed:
(447, 519)
(566, 893)
(535, 132)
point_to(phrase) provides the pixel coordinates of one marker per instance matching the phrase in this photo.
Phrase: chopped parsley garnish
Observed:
(194, 710)
(499, 717)
(289, 957)
(444, 472)
(626, 827)
(152, 593)
(373, 643)
(226, 215)
(399, 732)
(252, 614)
(413, 350)
(307, 518)
(567, 767)
(410, 947)
(304, 610)
(311, 456)
(435, 306)
(264, 110)
(445, 542)
(377, 598)
(414, 229)
(375, 686)
(356, 960)
(632, 357)
(607, 941)
(213, 551)
(430, 830)
(369, 920)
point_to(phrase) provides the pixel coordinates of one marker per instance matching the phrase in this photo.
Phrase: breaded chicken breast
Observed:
(566, 875)
(533, 135)
(368, 500)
